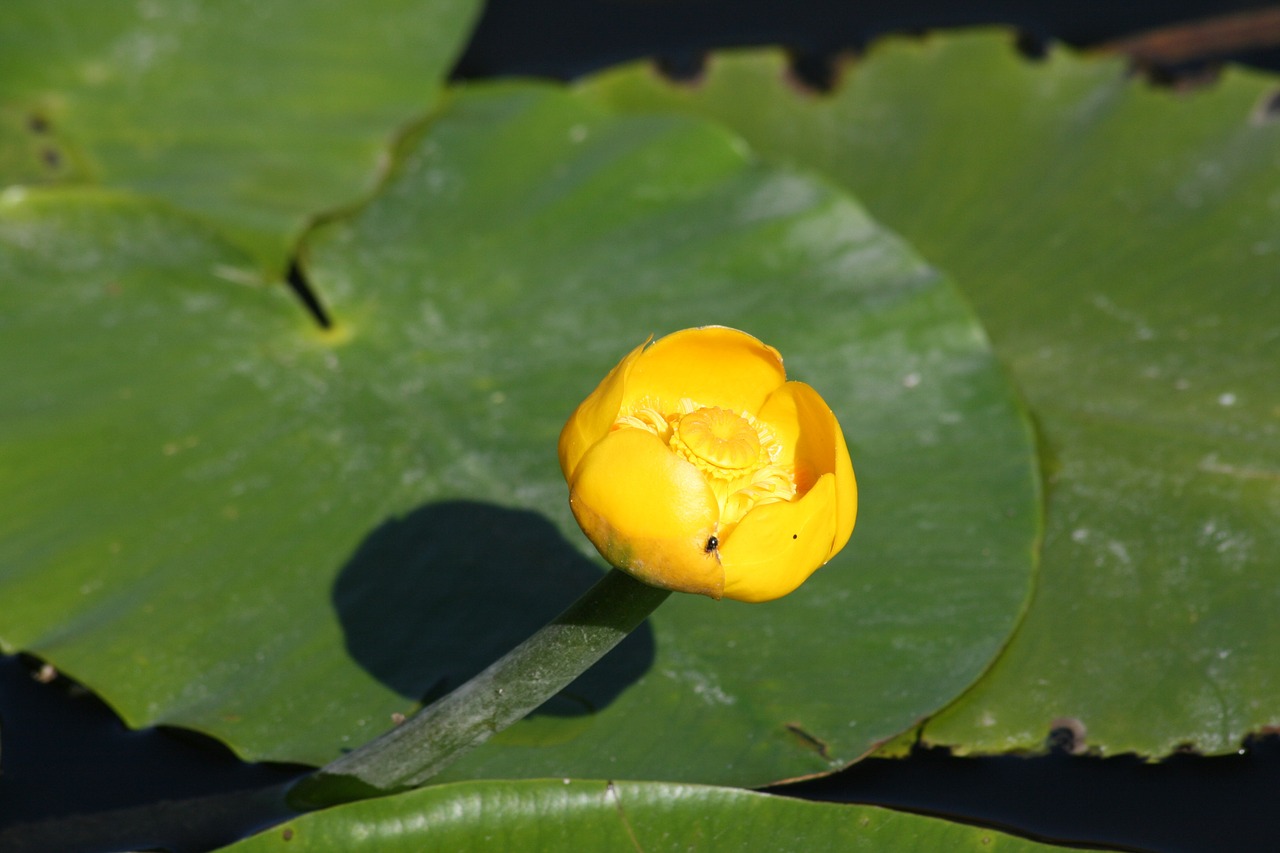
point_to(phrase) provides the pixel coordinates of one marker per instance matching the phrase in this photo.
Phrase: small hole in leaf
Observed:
(1066, 736)
(1267, 109)
(1031, 45)
(1180, 77)
(685, 68)
(812, 73)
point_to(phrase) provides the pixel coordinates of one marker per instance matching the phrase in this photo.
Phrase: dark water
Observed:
(563, 39)
(1185, 803)
(72, 777)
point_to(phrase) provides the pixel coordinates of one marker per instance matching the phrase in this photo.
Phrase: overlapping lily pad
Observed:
(257, 114)
(230, 519)
(555, 815)
(1119, 242)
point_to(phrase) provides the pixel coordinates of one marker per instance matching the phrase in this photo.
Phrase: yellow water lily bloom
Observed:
(696, 466)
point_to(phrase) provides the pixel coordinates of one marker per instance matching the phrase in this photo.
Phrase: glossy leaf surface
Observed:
(256, 114)
(554, 815)
(234, 521)
(1119, 242)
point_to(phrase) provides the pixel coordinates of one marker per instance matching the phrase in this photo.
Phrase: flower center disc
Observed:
(720, 438)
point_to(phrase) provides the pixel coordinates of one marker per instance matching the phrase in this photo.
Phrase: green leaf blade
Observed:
(315, 531)
(257, 116)
(1117, 242)
(554, 814)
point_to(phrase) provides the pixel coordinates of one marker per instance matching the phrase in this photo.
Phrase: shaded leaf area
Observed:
(554, 814)
(257, 115)
(283, 536)
(1119, 242)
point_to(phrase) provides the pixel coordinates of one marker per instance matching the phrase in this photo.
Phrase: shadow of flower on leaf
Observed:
(430, 599)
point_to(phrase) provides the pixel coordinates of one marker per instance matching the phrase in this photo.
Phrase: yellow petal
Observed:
(814, 444)
(648, 512)
(591, 420)
(713, 365)
(777, 546)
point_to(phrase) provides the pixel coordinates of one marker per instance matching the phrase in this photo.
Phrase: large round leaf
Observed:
(556, 815)
(1120, 243)
(232, 521)
(258, 114)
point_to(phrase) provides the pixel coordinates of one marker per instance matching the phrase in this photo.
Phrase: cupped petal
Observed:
(711, 365)
(814, 444)
(591, 421)
(648, 512)
(777, 546)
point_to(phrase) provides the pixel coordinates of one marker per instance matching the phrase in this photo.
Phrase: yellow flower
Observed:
(697, 467)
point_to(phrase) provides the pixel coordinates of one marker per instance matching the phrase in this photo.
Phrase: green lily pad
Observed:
(282, 536)
(1119, 242)
(554, 815)
(257, 114)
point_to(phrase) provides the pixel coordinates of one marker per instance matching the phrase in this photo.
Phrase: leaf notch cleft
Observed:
(297, 280)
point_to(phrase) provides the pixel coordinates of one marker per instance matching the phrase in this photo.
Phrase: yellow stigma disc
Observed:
(721, 438)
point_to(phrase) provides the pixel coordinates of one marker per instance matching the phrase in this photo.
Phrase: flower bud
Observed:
(697, 467)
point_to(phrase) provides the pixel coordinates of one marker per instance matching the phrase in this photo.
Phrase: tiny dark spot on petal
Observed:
(795, 535)
(712, 544)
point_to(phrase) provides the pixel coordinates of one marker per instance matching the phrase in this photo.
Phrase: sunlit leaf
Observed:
(1120, 244)
(257, 114)
(234, 521)
(554, 815)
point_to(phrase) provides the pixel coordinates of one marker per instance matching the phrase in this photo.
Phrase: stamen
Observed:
(649, 419)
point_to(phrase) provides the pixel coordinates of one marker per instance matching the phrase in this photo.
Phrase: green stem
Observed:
(506, 692)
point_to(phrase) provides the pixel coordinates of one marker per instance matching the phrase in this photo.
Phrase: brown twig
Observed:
(1208, 38)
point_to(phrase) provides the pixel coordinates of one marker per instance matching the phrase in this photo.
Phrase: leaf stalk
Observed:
(504, 693)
